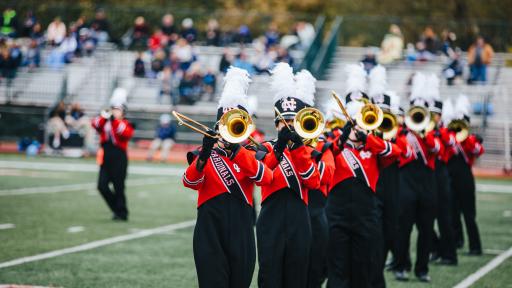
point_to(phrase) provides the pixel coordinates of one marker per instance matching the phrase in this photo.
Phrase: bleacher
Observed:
(91, 80)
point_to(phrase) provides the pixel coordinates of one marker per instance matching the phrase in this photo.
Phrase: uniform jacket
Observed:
(117, 131)
(364, 161)
(297, 165)
(448, 142)
(325, 163)
(470, 149)
(221, 172)
(425, 148)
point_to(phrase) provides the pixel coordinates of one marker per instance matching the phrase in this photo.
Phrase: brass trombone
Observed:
(461, 128)
(389, 126)
(309, 122)
(235, 126)
(417, 119)
(369, 118)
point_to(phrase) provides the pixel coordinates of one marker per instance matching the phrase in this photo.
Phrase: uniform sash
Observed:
(416, 147)
(355, 165)
(227, 176)
(290, 175)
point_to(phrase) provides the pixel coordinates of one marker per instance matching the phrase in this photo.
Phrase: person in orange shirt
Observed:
(480, 55)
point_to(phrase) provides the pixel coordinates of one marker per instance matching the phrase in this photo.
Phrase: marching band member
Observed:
(463, 181)
(322, 155)
(115, 132)
(387, 185)
(224, 246)
(283, 227)
(417, 189)
(351, 205)
(443, 248)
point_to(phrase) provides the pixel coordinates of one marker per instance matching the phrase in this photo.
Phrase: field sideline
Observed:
(49, 205)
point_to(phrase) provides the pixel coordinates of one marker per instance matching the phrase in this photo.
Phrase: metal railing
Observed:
(328, 50)
(315, 46)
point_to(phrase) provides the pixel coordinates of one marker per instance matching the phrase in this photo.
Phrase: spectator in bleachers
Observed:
(448, 45)
(86, 42)
(212, 33)
(391, 46)
(167, 85)
(479, 57)
(157, 40)
(100, 26)
(139, 69)
(140, 33)
(165, 138)
(56, 32)
(37, 33)
(226, 60)
(169, 29)
(306, 33)
(284, 56)
(243, 35)
(190, 86)
(28, 24)
(68, 47)
(8, 23)
(79, 127)
(56, 127)
(242, 61)
(209, 84)
(8, 65)
(33, 55)
(272, 35)
(430, 40)
(422, 54)
(265, 59)
(369, 60)
(157, 63)
(188, 32)
(184, 53)
(455, 67)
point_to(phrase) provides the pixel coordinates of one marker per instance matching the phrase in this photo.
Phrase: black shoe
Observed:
(434, 257)
(119, 218)
(475, 252)
(424, 278)
(401, 276)
(447, 262)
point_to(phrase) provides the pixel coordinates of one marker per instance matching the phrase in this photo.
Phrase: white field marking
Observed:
(495, 262)
(507, 213)
(75, 187)
(75, 229)
(32, 174)
(496, 188)
(493, 251)
(99, 243)
(7, 226)
(76, 167)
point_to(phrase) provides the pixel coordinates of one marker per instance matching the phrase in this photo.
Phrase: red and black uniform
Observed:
(417, 199)
(444, 245)
(324, 159)
(463, 186)
(351, 210)
(224, 246)
(114, 137)
(283, 228)
(388, 206)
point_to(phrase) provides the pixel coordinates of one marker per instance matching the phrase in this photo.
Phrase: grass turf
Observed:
(164, 260)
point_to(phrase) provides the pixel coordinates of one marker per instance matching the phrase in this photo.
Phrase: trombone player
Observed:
(223, 172)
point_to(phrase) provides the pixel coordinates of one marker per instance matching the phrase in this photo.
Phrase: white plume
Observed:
(377, 81)
(236, 83)
(356, 79)
(354, 107)
(462, 106)
(282, 81)
(252, 105)
(394, 101)
(432, 87)
(118, 98)
(306, 88)
(448, 111)
(332, 110)
(418, 86)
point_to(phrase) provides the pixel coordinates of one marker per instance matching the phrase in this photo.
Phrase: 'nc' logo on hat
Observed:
(289, 105)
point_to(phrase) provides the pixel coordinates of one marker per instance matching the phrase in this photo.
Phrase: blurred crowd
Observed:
(431, 47)
(169, 54)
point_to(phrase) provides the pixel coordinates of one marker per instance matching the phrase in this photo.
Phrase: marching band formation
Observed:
(340, 189)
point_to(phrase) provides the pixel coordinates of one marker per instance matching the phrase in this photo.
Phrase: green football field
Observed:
(50, 209)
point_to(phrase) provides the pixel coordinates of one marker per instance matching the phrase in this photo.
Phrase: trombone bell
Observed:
(309, 123)
(370, 117)
(461, 129)
(235, 126)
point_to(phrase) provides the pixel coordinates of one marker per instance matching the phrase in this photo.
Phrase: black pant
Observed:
(320, 231)
(283, 231)
(463, 186)
(444, 245)
(387, 205)
(113, 170)
(224, 248)
(418, 205)
(351, 214)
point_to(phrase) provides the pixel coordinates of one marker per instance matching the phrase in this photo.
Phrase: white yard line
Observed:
(99, 243)
(495, 262)
(76, 167)
(75, 187)
(496, 188)
(7, 226)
